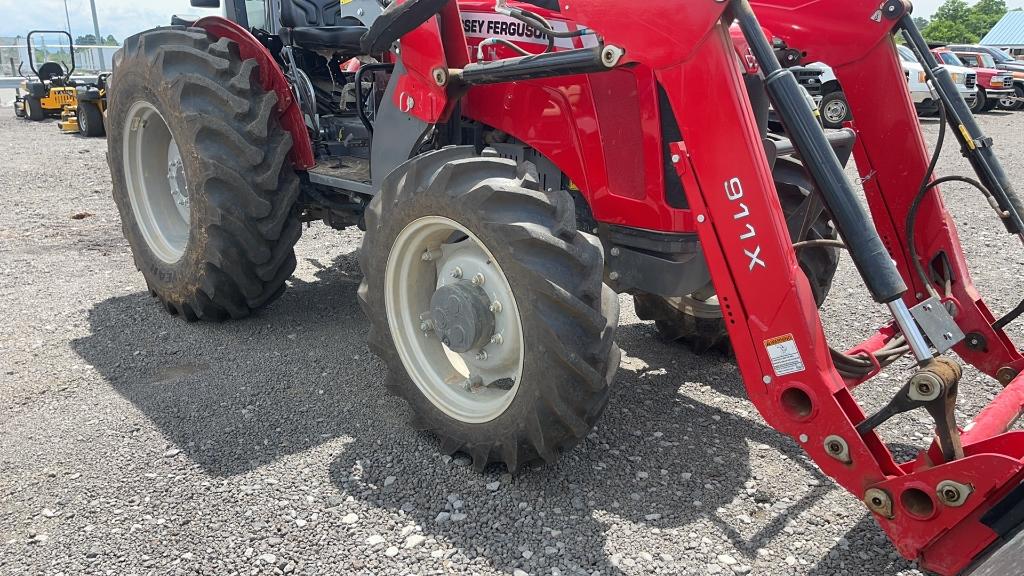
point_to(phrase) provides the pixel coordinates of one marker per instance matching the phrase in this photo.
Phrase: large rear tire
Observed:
(90, 120)
(201, 174)
(531, 373)
(696, 320)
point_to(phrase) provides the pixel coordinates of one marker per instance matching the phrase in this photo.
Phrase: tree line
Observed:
(959, 22)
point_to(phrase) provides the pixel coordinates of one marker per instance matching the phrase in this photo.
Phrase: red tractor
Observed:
(515, 165)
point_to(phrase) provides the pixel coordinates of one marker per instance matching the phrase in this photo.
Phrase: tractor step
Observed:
(345, 173)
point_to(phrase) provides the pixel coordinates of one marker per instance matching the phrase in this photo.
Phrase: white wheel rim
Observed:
(469, 387)
(155, 178)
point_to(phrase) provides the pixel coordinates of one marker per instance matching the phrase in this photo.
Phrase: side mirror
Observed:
(205, 3)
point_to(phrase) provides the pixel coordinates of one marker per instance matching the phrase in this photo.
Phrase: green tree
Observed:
(956, 21)
(921, 22)
(952, 11)
(949, 32)
(984, 15)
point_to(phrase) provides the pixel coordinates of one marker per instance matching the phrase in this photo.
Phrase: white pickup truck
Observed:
(966, 81)
(835, 110)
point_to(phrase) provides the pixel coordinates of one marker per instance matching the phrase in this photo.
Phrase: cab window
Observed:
(256, 13)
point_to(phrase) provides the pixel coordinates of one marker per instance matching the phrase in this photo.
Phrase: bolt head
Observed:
(676, 158)
(495, 307)
(478, 279)
(497, 339)
(456, 273)
(613, 275)
(615, 251)
(481, 355)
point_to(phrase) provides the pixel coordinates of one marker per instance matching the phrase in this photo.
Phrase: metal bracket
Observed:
(937, 324)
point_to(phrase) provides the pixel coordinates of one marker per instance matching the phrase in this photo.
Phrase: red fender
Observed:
(271, 78)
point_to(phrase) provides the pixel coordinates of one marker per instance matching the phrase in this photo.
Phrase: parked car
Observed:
(1003, 61)
(997, 84)
(966, 81)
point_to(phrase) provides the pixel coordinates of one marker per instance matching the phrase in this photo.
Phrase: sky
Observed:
(125, 17)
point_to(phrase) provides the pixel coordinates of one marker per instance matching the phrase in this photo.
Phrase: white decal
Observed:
(784, 354)
(482, 25)
(734, 191)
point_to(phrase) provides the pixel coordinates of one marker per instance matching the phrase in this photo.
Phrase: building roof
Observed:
(1007, 32)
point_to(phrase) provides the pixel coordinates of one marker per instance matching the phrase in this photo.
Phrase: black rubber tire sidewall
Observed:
(831, 97)
(90, 120)
(217, 276)
(981, 102)
(542, 371)
(34, 109)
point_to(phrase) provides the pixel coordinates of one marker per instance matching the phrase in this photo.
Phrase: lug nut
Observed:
(473, 383)
(427, 326)
(481, 355)
(495, 307)
(457, 273)
(478, 280)
(497, 339)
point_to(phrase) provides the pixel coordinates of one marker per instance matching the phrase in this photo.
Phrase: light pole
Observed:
(67, 15)
(96, 28)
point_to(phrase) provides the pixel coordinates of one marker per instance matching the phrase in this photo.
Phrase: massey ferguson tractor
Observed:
(515, 165)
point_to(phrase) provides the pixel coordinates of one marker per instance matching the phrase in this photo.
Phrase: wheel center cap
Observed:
(176, 178)
(462, 317)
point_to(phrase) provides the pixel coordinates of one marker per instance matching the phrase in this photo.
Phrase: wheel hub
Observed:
(461, 315)
(176, 179)
(454, 319)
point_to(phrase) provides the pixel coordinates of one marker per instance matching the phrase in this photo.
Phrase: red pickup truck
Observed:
(995, 86)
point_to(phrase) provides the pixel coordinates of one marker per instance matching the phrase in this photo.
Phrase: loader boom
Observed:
(940, 508)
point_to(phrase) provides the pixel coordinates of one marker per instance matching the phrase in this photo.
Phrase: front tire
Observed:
(34, 109)
(435, 213)
(981, 102)
(696, 319)
(1017, 102)
(835, 110)
(201, 174)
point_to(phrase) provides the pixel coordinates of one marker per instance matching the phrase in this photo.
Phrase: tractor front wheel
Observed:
(488, 307)
(90, 120)
(201, 174)
(34, 109)
(696, 319)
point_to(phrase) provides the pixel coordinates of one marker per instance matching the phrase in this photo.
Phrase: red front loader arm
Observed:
(944, 512)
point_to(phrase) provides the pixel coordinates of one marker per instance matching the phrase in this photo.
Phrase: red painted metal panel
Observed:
(271, 78)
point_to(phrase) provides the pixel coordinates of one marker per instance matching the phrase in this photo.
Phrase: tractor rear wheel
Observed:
(90, 120)
(696, 320)
(488, 307)
(201, 174)
(34, 109)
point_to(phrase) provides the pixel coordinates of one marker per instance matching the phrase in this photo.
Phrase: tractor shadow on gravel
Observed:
(236, 396)
(657, 452)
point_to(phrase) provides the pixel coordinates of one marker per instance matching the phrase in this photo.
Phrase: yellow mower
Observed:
(86, 115)
(53, 94)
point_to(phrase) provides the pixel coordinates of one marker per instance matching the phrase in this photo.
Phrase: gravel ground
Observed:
(134, 443)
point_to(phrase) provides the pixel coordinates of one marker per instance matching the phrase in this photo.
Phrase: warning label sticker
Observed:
(784, 354)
